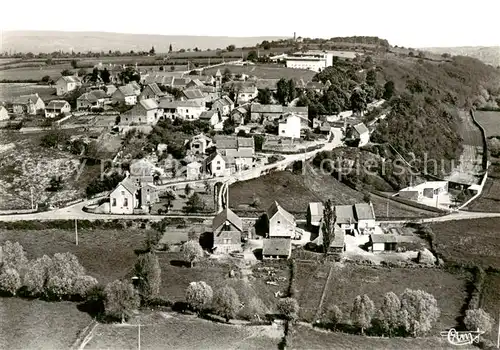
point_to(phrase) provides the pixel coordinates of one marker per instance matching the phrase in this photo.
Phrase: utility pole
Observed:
(387, 215)
(76, 231)
(32, 202)
(139, 336)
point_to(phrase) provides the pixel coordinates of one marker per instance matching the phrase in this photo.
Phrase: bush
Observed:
(10, 282)
(84, 285)
(478, 319)
(199, 296)
(288, 308)
(254, 310)
(419, 311)
(36, 275)
(148, 272)
(58, 287)
(13, 256)
(226, 302)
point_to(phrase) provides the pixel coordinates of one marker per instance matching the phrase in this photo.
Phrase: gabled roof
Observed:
(276, 246)
(316, 209)
(25, 99)
(196, 82)
(155, 89)
(345, 214)
(314, 85)
(88, 96)
(276, 208)
(134, 85)
(127, 90)
(218, 73)
(99, 94)
(207, 89)
(180, 81)
(246, 142)
(241, 110)
(225, 101)
(149, 104)
(207, 115)
(227, 215)
(211, 157)
(361, 128)
(193, 94)
(364, 211)
(383, 238)
(129, 185)
(271, 84)
(260, 108)
(56, 104)
(233, 236)
(338, 239)
(226, 142)
(194, 165)
(248, 89)
(166, 103)
(297, 110)
(70, 79)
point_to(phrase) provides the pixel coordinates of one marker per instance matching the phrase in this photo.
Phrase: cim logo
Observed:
(462, 337)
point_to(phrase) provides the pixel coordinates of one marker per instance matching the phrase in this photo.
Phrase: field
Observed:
(307, 338)
(490, 121)
(266, 72)
(295, 191)
(10, 90)
(33, 73)
(176, 331)
(348, 281)
(469, 241)
(36, 324)
(489, 199)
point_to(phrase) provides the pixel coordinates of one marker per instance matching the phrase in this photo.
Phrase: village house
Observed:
(145, 112)
(4, 114)
(193, 170)
(143, 170)
(135, 87)
(428, 189)
(180, 83)
(238, 150)
(92, 99)
(280, 222)
(246, 94)
(358, 133)
(211, 117)
(290, 126)
(238, 115)
(67, 84)
(276, 248)
(186, 110)
(28, 104)
(125, 95)
(337, 244)
(209, 92)
(194, 83)
(151, 91)
(131, 197)
(215, 165)
(194, 95)
(57, 107)
(223, 105)
(200, 143)
(260, 112)
(227, 229)
(109, 89)
(356, 219)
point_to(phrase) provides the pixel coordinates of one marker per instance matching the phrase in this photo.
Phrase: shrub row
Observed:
(114, 224)
(477, 288)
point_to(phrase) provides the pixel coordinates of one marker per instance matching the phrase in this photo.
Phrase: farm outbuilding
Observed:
(383, 242)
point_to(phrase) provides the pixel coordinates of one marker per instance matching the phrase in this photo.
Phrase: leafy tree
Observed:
(187, 190)
(199, 296)
(334, 316)
(83, 285)
(266, 45)
(226, 302)
(259, 141)
(152, 51)
(252, 56)
(45, 79)
(289, 308)
(105, 76)
(419, 311)
(121, 299)
(231, 48)
(389, 313)
(371, 77)
(254, 309)
(49, 61)
(228, 126)
(74, 64)
(13, 256)
(208, 186)
(328, 225)
(192, 250)
(36, 276)
(148, 271)
(362, 312)
(226, 76)
(264, 96)
(291, 90)
(358, 100)
(55, 183)
(478, 319)
(62, 274)
(282, 93)
(170, 48)
(67, 72)
(10, 282)
(82, 72)
(388, 90)
(129, 75)
(58, 287)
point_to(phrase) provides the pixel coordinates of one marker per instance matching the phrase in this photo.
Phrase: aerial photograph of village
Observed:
(207, 179)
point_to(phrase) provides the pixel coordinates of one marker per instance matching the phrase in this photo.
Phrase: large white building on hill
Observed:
(312, 60)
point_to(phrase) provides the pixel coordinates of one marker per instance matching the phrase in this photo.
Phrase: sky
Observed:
(417, 23)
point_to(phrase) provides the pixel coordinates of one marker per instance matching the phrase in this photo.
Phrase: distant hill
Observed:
(487, 54)
(49, 41)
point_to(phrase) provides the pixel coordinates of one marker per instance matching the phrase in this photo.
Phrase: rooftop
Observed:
(227, 215)
(276, 208)
(276, 246)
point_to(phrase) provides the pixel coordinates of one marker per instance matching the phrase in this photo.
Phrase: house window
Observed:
(114, 202)
(218, 162)
(187, 110)
(227, 241)
(125, 202)
(218, 168)
(123, 193)
(279, 222)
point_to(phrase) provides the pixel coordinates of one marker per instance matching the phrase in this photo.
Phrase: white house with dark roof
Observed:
(92, 99)
(354, 219)
(361, 133)
(125, 95)
(131, 197)
(289, 126)
(67, 84)
(215, 164)
(193, 170)
(227, 228)
(145, 112)
(239, 151)
(281, 223)
(314, 214)
(28, 104)
(186, 110)
(57, 107)
(271, 112)
(211, 117)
